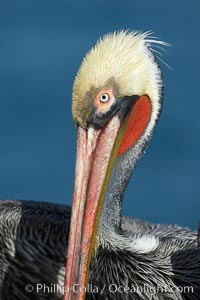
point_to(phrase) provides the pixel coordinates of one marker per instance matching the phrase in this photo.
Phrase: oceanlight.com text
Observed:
(112, 288)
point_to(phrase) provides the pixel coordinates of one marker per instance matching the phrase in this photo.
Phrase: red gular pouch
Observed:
(137, 123)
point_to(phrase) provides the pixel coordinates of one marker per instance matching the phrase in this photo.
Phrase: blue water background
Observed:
(42, 44)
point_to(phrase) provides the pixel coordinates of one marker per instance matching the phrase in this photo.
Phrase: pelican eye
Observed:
(104, 97)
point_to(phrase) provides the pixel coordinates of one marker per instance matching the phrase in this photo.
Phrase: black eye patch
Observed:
(99, 119)
(121, 107)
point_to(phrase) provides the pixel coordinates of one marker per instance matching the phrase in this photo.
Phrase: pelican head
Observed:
(117, 99)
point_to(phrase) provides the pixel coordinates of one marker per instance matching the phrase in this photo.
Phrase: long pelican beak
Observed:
(94, 148)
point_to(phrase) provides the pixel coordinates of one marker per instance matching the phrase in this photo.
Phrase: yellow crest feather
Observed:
(124, 57)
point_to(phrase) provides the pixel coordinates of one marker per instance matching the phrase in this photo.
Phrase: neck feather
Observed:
(111, 216)
(112, 211)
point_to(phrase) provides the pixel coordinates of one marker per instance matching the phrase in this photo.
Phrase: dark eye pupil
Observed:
(104, 97)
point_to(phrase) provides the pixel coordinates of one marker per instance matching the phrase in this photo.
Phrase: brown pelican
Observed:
(117, 99)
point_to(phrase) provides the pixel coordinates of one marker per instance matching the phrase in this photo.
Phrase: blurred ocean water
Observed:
(42, 44)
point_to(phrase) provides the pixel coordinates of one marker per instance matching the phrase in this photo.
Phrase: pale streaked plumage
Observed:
(33, 241)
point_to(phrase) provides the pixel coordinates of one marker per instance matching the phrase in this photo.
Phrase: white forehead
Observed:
(125, 57)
